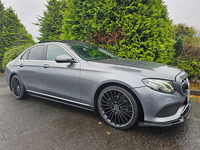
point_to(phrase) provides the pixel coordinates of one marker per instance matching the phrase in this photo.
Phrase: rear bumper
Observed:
(7, 76)
(184, 113)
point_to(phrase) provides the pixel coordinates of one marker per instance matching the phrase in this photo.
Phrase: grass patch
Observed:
(195, 98)
(195, 86)
(1, 74)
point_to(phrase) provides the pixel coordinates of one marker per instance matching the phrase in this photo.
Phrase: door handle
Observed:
(21, 65)
(46, 66)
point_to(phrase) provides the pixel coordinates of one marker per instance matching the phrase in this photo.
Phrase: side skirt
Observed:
(60, 100)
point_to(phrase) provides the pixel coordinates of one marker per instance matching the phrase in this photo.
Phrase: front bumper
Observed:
(161, 109)
(167, 124)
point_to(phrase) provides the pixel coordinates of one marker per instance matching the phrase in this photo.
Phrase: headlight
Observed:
(159, 85)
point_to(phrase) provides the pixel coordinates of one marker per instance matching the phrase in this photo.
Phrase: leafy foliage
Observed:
(189, 60)
(13, 52)
(179, 46)
(137, 29)
(185, 31)
(51, 22)
(1, 27)
(12, 32)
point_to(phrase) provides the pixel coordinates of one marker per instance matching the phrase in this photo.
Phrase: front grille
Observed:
(185, 86)
(186, 101)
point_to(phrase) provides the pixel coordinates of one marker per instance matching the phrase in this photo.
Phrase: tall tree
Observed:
(12, 32)
(185, 37)
(185, 31)
(51, 22)
(189, 60)
(1, 15)
(2, 9)
(139, 29)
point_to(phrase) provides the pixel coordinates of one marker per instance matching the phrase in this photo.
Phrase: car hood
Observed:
(145, 68)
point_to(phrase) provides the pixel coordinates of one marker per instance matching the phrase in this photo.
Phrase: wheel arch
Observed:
(14, 73)
(100, 88)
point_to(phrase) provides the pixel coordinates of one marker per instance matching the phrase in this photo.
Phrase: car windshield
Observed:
(90, 52)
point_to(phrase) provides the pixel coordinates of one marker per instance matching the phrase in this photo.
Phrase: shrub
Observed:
(179, 46)
(13, 52)
(189, 61)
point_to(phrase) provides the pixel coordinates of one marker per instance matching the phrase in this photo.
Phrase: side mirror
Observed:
(64, 59)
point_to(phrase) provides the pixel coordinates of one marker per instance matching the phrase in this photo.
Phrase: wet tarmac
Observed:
(38, 124)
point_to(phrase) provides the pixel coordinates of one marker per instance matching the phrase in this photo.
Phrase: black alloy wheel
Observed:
(118, 107)
(17, 87)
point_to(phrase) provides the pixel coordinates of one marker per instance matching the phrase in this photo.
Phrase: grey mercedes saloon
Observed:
(125, 92)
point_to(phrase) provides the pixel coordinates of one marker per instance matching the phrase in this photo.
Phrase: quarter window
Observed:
(25, 56)
(53, 51)
(37, 53)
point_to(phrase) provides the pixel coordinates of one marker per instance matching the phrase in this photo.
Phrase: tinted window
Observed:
(53, 51)
(25, 56)
(36, 53)
(90, 52)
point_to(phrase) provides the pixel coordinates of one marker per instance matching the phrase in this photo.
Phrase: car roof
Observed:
(67, 42)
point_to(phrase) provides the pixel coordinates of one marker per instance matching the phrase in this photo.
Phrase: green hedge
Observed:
(13, 52)
(138, 29)
(189, 61)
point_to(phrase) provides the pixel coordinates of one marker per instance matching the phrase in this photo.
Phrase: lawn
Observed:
(195, 98)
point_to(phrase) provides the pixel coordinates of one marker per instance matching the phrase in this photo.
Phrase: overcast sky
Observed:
(180, 11)
(27, 11)
(184, 11)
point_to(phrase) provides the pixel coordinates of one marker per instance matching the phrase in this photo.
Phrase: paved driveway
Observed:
(38, 124)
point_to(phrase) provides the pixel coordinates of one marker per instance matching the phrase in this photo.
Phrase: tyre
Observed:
(17, 87)
(117, 107)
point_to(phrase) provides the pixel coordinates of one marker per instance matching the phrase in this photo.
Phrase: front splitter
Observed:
(185, 112)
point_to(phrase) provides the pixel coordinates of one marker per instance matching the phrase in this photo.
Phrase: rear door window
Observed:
(37, 53)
